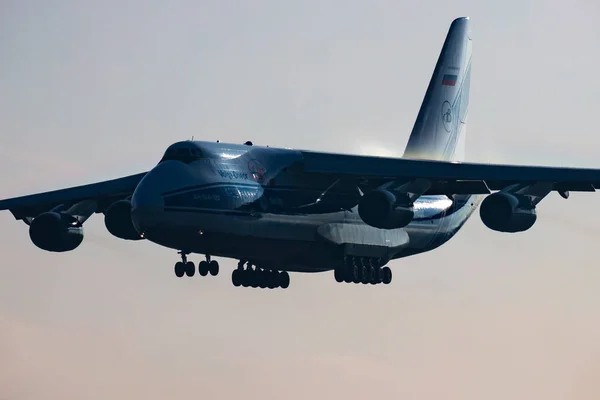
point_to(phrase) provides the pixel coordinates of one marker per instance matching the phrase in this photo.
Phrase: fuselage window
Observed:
(185, 155)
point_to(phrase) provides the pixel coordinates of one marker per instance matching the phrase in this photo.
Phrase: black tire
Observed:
(364, 275)
(235, 278)
(190, 268)
(338, 274)
(261, 277)
(213, 268)
(273, 280)
(179, 269)
(386, 273)
(245, 278)
(373, 276)
(284, 280)
(347, 273)
(356, 274)
(203, 268)
(253, 277)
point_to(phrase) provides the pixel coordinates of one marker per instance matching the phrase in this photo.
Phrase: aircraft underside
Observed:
(270, 246)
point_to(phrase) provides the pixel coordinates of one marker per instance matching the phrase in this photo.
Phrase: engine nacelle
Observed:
(52, 231)
(504, 212)
(380, 209)
(117, 220)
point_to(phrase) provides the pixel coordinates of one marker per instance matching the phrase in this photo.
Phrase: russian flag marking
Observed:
(449, 80)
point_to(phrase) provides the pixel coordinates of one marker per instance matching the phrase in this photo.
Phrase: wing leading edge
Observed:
(449, 177)
(445, 178)
(104, 193)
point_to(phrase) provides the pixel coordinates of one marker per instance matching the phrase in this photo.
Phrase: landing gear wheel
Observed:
(203, 268)
(364, 275)
(355, 274)
(245, 277)
(284, 280)
(373, 276)
(253, 277)
(190, 268)
(259, 276)
(236, 277)
(349, 273)
(213, 268)
(338, 273)
(179, 269)
(386, 273)
(272, 278)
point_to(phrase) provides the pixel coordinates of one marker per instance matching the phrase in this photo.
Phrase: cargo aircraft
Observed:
(282, 210)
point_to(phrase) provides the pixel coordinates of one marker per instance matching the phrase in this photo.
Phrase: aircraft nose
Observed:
(147, 205)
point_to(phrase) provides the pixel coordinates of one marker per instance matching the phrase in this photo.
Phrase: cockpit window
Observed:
(184, 154)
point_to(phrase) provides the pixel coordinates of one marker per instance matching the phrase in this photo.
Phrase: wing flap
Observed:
(576, 186)
(453, 177)
(458, 187)
(105, 193)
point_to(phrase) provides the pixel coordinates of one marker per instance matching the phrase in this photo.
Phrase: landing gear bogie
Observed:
(259, 278)
(363, 270)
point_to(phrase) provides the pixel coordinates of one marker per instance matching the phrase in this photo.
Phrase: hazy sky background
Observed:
(93, 90)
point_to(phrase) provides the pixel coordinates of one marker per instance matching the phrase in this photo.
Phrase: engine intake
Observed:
(55, 232)
(504, 212)
(381, 209)
(117, 220)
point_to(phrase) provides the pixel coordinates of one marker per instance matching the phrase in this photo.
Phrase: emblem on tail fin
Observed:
(447, 116)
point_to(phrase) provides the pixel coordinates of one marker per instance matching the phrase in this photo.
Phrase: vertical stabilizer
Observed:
(442, 117)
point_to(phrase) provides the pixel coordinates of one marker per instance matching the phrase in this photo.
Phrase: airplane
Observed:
(279, 210)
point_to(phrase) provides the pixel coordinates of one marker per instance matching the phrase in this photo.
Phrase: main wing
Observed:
(102, 193)
(448, 177)
(392, 185)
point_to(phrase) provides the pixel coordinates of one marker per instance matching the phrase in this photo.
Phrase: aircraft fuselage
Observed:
(255, 203)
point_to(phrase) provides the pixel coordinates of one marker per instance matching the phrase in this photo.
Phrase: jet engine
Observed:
(382, 209)
(504, 212)
(117, 220)
(56, 232)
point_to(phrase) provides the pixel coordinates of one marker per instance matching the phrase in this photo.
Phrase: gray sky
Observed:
(96, 90)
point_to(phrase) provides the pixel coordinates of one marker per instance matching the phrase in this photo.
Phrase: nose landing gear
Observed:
(208, 266)
(185, 267)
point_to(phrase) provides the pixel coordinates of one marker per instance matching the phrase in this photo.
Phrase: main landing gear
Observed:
(363, 270)
(185, 267)
(258, 277)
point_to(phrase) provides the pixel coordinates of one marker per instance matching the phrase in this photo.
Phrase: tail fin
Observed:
(439, 130)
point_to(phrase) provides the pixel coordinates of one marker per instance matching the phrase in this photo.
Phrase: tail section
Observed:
(438, 133)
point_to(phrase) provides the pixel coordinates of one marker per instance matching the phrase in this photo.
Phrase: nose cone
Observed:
(147, 205)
